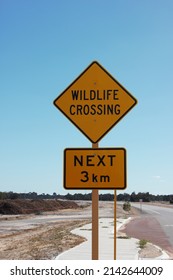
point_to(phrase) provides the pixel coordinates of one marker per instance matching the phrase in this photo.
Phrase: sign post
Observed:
(115, 225)
(95, 219)
(95, 224)
(141, 200)
(95, 102)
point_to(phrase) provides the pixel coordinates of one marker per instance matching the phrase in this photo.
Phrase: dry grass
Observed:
(44, 242)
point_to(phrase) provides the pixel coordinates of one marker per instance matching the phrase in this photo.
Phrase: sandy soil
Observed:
(48, 240)
(44, 242)
(150, 251)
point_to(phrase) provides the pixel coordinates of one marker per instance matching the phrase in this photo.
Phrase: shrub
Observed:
(127, 206)
(142, 243)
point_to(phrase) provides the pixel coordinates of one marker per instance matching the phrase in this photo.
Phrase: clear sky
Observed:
(45, 45)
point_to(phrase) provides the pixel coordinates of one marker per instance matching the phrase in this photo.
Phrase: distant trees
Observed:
(2, 195)
(133, 197)
(107, 197)
(123, 197)
(8, 195)
(146, 197)
(78, 196)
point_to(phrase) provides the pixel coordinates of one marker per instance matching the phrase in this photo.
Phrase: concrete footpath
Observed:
(127, 249)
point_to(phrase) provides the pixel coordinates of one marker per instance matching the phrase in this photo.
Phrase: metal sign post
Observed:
(115, 225)
(95, 225)
(95, 220)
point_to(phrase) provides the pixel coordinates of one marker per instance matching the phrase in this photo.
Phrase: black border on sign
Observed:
(95, 62)
(90, 188)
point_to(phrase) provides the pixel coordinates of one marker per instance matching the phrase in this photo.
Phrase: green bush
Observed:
(127, 206)
(142, 243)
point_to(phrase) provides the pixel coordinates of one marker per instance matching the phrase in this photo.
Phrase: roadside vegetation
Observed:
(142, 243)
(127, 206)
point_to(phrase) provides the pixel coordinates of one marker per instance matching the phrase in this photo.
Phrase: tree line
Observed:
(133, 197)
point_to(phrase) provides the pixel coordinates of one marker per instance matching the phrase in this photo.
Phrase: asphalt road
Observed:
(156, 223)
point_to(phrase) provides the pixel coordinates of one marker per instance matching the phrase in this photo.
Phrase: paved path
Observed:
(127, 249)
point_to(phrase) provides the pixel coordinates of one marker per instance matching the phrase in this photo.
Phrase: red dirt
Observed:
(29, 206)
(148, 228)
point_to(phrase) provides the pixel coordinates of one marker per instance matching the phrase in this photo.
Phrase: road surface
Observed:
(155, 224)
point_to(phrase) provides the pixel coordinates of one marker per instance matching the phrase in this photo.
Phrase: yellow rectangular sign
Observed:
(102, 168)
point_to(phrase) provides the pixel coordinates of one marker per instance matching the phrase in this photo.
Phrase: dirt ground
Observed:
(37, 206)
(150, 251)
(44, 242)
(48, 240)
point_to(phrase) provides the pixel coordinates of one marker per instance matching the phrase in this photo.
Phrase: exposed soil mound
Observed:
(27, 206)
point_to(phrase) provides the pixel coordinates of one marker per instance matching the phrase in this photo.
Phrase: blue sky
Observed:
(45, 45)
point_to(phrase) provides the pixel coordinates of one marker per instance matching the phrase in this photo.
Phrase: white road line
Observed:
(152, 211)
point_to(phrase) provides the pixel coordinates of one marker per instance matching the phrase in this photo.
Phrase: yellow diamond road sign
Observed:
(103, 168)
(95, 102)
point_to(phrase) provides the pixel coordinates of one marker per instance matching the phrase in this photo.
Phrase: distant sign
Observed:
(103, 168)
(95, 102)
